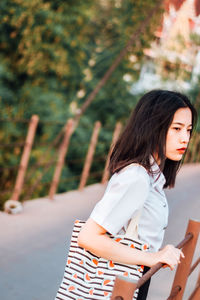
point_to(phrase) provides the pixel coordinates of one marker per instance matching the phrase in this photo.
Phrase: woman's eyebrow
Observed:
(179, 123)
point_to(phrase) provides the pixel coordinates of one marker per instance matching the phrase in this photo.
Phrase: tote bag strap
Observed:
(132, 229)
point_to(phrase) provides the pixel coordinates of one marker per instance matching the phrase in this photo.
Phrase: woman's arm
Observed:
(93, 238)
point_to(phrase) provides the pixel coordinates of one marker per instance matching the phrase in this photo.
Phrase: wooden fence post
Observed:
(196, 293)
(192, 155)
(198, 149)
(194, 148)
(188, 153)
(116, 134)
(89, 157)
(183, 269)
(25, 157)
(124, 288)
(61, 158)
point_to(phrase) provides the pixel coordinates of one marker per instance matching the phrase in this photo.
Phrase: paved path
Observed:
(34, 244)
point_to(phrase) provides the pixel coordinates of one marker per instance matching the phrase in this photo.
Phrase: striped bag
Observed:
(88, 276)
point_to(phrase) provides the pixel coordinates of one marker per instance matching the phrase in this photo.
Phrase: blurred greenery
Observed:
(52, 55)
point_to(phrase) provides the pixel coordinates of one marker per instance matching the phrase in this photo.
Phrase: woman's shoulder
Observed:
(134, 167)
(132, 172)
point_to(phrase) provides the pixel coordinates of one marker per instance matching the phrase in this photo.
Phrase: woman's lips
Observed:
(181, 150)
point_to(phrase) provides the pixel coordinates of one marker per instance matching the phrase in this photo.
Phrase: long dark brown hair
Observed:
(146, 131)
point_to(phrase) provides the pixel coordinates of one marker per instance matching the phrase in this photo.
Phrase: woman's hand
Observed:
(169, 255)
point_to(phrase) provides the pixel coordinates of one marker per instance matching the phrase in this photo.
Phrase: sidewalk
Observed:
(33, 245)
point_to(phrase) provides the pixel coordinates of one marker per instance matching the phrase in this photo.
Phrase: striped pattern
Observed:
(88, 276)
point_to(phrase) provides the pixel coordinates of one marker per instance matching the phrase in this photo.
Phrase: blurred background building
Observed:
(173, 60)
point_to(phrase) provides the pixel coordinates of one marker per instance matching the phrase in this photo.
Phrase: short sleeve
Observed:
(124, 197)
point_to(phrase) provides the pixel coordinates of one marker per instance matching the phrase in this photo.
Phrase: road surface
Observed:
(34, 244)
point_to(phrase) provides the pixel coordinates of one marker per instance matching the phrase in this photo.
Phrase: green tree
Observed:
(53, 54)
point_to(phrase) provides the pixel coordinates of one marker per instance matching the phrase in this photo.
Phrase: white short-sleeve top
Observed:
(128, 192)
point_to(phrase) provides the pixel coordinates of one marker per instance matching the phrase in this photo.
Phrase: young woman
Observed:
(145, 160)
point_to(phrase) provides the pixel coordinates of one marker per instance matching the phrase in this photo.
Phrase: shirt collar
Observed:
(157, 178)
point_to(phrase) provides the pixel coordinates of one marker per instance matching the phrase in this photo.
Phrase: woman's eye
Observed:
(177, 128)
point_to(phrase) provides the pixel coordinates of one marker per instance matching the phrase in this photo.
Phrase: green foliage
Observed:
(194, 95)
(52, 55)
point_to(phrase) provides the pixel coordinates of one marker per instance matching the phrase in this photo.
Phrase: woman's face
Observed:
(178, 134)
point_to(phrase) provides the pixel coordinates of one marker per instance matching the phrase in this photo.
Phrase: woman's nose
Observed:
(185, 137)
